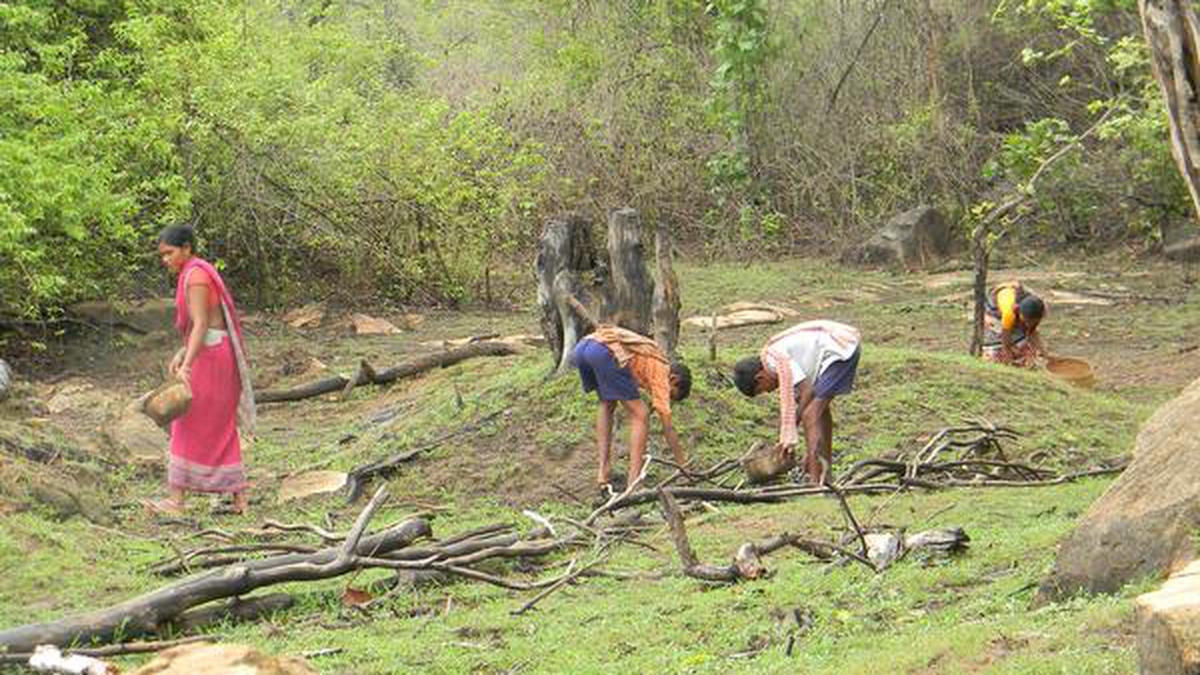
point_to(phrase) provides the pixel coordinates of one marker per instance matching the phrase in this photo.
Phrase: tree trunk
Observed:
(565, 254)
(6, 379)
(979, 252)
(631, 287)
(1173, 34)
(666, 294)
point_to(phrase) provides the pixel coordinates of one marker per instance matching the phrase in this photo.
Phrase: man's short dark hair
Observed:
(1032, 307)
(745, 372)
(684, 383)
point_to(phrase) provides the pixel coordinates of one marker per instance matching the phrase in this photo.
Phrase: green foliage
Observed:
(1132, 162)
(404, 151)
(80, 157)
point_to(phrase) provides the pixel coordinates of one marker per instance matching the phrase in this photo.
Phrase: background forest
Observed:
(410, 150)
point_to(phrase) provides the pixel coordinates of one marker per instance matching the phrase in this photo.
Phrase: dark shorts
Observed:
(838, 377)
(599, 372)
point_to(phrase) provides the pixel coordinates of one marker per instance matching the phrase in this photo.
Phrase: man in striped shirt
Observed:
(809, 364)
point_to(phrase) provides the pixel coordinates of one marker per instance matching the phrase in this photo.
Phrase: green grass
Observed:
(968, 614)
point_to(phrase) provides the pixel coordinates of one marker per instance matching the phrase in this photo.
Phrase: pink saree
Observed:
(206, 452)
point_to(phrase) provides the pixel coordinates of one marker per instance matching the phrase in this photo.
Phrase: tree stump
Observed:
(576, 290)
(565, 256)
(666, 294)
(631, 288)
(1172, 31)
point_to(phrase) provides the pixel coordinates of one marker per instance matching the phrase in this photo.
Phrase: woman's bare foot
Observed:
(241, 503)
(165, 506)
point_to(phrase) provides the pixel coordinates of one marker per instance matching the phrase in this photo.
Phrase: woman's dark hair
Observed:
(684, 376)
(1032, 308)
(178, 235)
(745, 372)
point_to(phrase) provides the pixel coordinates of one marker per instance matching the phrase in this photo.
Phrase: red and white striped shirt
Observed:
(801, 353)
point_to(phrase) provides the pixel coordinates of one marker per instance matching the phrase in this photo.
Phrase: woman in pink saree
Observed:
(206, 453)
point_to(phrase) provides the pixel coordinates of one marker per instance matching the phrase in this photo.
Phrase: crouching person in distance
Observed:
(615, 362)
(809, 364)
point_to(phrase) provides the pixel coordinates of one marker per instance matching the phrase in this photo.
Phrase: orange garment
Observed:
(646, 362)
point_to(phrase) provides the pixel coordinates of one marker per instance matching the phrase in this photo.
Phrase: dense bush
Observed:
(404, 150)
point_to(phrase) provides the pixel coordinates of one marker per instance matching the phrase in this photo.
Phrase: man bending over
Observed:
(615, 363)
(809, 364)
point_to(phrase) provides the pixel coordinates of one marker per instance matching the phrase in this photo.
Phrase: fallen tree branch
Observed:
(147, 613)
(357, 477)
(747, 562)
(236, 610)
(402, 371)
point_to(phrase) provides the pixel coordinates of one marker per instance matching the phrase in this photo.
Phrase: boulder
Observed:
(213, 659)
(914, 239)
(1168, 626)
(136, 438)
(1143, 524)
(143, 316)
(77, 395)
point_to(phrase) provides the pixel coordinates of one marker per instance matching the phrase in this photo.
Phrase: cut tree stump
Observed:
(565, 257)
(666, 294)
(576, 291)
(630, 300)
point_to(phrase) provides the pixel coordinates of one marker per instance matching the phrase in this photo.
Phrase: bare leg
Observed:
(639, 418)
(604, 423)
(827, 449)
(241, 502)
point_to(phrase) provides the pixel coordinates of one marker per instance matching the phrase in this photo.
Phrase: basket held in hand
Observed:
(167, 403)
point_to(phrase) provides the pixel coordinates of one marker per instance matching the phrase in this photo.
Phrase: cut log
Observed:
(666, 294)
(565, 256)
(236, 610)
(412, 368)
(629, 301)
(147, 613)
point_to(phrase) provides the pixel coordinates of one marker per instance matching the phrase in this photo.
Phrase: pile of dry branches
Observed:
(232, 564)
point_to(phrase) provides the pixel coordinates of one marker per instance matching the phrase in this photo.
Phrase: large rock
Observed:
(212, 659)
(143, 316)
(135, 438)
(1143, 524)
(1168, 626)
(914, 239)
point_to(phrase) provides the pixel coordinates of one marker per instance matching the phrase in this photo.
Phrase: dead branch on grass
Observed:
(367, 375)
(747, 561)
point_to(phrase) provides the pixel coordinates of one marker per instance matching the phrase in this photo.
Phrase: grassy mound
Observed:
(538, 445)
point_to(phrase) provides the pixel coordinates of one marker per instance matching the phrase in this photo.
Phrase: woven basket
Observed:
(167, 403)
(1076, 371)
